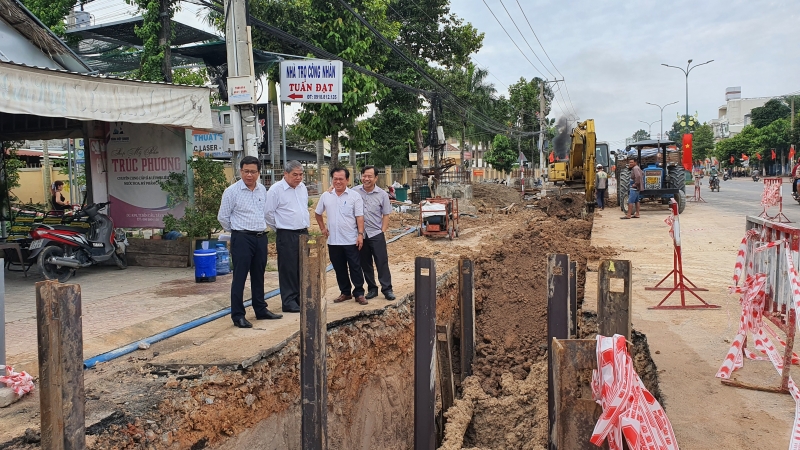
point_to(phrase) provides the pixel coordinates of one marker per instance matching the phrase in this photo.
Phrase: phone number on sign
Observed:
(322, 97)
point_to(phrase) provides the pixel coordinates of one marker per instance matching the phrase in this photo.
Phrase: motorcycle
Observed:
(725, 177)
(756, 178)
(62, 249)
(713, 183)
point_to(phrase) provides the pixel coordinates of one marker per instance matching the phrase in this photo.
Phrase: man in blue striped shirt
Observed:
(287, 214)
(242, 212)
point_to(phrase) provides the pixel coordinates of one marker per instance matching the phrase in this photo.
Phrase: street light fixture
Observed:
(686, 73)
(662, 119)
(649, 127)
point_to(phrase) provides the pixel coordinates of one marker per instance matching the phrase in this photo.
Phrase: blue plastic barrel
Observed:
(223, 260)
(205, 265)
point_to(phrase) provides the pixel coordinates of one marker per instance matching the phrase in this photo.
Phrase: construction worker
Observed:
(600, 186)
(636, 185)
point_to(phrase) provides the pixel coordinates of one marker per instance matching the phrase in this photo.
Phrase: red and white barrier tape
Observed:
(752, 302)
(629, 409)
(771, 195)
(21, 383)
(742, 256)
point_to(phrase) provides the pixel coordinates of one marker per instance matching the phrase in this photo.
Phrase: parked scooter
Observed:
(725, 177)
(62, 249)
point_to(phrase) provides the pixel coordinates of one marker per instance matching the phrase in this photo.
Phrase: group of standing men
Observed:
(357, 221)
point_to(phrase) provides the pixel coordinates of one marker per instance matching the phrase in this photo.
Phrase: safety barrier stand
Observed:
(696, 197)
(764, 258)
(679, 281)
(773, 196)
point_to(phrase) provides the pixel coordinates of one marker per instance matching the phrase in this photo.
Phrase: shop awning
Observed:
(68, 95)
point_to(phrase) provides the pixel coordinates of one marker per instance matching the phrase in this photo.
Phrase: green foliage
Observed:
(194, 77)
(151, 67)
(773, 110)
(753, 140)
(640, 135)
(703, 142)
(501, 156)
(51, 12)
(200, 219)
(11, 180)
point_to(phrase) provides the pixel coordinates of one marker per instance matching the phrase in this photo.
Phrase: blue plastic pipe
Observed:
(132, 347)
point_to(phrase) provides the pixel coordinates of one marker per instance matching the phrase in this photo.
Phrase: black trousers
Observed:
(344, 257)
(287, 244)
(249, 254)
(374, 248)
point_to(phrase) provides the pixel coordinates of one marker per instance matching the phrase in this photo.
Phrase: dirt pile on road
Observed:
(563, 207)
(489, 195)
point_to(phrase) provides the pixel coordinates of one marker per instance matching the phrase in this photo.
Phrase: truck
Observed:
(664, 177)
(576, 171)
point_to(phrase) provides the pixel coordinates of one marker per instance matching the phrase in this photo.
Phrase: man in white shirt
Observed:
(345, 233)
(377, 209)
(241, 212)
(287, 213)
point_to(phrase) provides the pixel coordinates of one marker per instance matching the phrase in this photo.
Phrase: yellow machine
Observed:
(578, 170)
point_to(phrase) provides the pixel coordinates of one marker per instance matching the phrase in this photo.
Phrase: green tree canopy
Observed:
(703, 142)
(640, 135)
(51, 12)
(773, 110)
(501, 156)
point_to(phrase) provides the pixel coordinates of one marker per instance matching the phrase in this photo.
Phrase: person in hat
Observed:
(601, 184)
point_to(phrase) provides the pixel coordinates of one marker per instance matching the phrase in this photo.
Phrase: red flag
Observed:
(551, 158)
(758, 155)
(773, 153)
(687, 152)
(745, 157)
(791, 152)
(732, 160)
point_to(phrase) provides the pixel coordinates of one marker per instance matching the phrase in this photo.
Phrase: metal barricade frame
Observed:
(780, 217)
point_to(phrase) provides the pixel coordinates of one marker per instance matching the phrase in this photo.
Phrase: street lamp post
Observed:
(662, 119)
(649, 127)
(686, 73)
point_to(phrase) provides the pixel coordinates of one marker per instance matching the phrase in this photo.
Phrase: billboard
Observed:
(138, 157)
(311, 81)
(210, 145)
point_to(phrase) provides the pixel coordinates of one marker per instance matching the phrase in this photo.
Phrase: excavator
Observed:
(576, 171)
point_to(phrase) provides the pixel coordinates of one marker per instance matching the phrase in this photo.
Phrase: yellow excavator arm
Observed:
(579, 170)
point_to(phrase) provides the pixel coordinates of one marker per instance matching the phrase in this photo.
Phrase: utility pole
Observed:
(241, 82)
(541, 129)
(46, 171)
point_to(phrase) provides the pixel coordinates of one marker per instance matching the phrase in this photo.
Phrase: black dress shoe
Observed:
(389, 295)
(269, 316)
(371, 294)
(291, 309)
(242, 323)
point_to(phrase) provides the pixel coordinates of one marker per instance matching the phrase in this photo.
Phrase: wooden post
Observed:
(573, 299)
(424, 362)
(466, 289)
(60, 336)
(614, 307)
(325, 178)
(444, 344)
(388, 175)
(313, 327)
(557, 324)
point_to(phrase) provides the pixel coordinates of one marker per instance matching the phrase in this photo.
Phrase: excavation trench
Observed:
(370, 360)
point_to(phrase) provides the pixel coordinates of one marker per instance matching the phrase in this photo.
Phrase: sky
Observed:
(610, 53)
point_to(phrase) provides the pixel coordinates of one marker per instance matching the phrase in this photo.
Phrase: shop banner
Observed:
(138, 157)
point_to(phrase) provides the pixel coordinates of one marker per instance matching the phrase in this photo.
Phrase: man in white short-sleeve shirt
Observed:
(345, 233)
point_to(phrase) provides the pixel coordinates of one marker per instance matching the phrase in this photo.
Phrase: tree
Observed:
(156, 35)
(773, 110)
(525, 107)
(200, 219)
(334, 29)
(501, 156)
(51, 13)
(640, 135)
(703, 140)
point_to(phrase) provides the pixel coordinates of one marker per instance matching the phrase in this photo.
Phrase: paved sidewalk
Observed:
(119, 306)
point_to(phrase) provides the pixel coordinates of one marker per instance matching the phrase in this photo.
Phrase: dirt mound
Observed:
(511, 296)
(488, 195)
(567, 206)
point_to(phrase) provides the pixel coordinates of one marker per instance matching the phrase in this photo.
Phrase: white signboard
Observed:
(240, 90)
(211, 145)
(311, 81)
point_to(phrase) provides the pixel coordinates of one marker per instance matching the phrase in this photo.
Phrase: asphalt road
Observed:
(744, 196)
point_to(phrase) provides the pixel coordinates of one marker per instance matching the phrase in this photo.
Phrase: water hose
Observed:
(132, 347)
